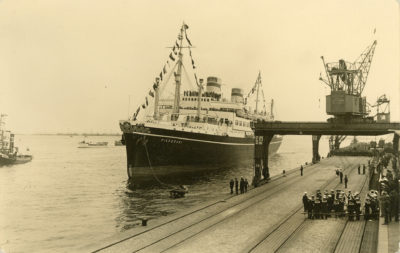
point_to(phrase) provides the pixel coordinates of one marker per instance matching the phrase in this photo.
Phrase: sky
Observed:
(81, 66)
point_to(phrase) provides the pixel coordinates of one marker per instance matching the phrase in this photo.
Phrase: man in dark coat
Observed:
(301, 170)
(341, 176)
(394, 200)
(310, 207)
(385, 200)
(345, 181)
(305, 201)
(236, 186)
(231, 184)
(241, 185)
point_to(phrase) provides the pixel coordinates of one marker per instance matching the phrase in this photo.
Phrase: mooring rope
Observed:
(151, 167)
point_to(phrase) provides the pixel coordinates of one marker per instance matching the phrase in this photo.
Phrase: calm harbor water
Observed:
(68, 197)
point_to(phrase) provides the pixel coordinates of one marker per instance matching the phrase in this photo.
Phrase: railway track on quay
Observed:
(346, 237)
(166, 238)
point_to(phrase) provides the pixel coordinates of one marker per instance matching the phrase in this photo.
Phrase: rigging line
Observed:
(187, 77)
(167, 79)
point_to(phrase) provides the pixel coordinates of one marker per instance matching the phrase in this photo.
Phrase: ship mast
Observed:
(2, 131)
(177, 98)
(199, 99)
(156, 101)
(258, 83)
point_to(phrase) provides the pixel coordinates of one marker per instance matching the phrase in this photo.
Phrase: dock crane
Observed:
(347, 81)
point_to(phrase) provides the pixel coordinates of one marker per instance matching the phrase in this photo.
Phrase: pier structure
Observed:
(269, 218)
(264, 132)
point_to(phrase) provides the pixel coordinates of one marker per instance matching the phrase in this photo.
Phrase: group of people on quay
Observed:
(389, 188)
(384, 201)
(243, 184)
(338, 204)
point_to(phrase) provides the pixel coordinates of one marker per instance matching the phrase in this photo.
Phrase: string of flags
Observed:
(163, 72)
(190, 53)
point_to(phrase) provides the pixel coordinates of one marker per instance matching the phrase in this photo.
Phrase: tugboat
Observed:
(195, 129)
(9, 154)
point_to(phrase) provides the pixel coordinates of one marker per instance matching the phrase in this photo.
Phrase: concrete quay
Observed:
(268, 218)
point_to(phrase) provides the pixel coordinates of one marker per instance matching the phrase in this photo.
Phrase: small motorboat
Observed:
(178, 192)
(89, 144)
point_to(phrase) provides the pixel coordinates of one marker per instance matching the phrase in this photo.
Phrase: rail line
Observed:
(249, 202)
(299, 226)
(286, 183)
(267, 194)
(362, 193)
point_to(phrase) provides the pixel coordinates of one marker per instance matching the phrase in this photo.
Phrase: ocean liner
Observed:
(195, 129)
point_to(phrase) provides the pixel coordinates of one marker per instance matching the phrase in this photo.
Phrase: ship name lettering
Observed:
(171, 141)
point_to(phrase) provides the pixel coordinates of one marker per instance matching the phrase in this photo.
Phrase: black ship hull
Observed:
(154, 153)
(15, 160)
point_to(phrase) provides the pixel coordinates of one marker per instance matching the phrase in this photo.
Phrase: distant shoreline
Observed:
(73, 134)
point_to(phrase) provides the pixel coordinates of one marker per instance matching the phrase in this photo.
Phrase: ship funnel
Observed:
(237, 95)
(214, 84)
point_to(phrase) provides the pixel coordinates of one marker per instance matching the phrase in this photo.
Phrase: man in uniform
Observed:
(324, 208)
(342, 200)
(317, 208)
(374, 205)
(385, 200)
(336, 206)
(357, 206)
(350, 205)
(367, 206)
(330, 199)
(310, 207)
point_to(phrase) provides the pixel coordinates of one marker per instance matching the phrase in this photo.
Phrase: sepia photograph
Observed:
(199, 126)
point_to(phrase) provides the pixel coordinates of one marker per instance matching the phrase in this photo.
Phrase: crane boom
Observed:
(363, 64)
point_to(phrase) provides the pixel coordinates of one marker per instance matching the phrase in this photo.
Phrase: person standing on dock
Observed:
(385, 200)
(231, 184)
(394, 199)
(317, 208)
(246, 184)
(363, 169)
(311, 204)
(301, 170)
(341, 176)
(345, 181)
(241, 186)
(305, 201)
(236, 186)
(359, 167)
(324, 207)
